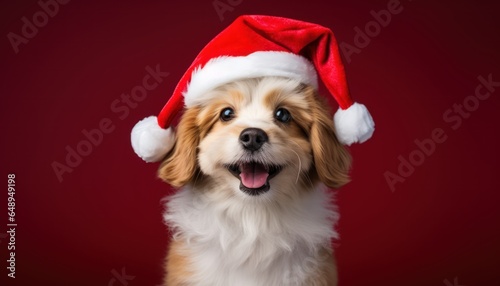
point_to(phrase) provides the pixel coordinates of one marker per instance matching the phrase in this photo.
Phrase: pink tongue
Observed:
(253, 175)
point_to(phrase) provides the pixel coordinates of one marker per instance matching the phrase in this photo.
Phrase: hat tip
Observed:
(354, 124)
(151, 142)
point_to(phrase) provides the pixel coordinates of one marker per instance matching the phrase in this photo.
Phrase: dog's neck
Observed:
(230, 233)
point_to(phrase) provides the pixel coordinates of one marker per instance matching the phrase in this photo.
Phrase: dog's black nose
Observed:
(253, 138)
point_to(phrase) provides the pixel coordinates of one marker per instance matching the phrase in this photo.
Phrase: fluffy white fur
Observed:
(244, 242)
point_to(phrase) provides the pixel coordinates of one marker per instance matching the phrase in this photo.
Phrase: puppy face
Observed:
(255, 138)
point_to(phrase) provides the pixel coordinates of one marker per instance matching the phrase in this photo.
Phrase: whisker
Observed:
(300, 167)
(300, 162)
(198, 174)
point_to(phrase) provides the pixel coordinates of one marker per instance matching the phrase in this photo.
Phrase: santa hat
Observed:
(251, 47)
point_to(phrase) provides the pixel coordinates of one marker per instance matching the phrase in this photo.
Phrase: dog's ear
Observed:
(180, 165)
(331, 159)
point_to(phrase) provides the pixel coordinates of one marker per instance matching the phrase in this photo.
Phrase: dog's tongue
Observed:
(253, 175)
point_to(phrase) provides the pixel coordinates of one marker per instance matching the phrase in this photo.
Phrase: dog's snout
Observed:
(253, 138)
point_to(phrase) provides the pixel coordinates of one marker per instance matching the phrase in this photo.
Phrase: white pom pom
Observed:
(150, 141)
(354, 124)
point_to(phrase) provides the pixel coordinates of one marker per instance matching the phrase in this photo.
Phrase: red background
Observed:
(442, 222)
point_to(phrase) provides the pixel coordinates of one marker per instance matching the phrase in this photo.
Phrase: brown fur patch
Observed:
(180, 166)
(331, 159)
(177, 266)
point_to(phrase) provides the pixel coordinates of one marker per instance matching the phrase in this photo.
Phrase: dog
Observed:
(254, 165)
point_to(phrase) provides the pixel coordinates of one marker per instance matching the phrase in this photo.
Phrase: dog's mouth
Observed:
(254, 177)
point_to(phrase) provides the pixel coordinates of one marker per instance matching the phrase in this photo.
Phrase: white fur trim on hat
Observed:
(150, 141)
(354, 124)
(225, 69)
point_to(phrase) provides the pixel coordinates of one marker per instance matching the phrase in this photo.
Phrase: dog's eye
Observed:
(282, 115)
(227, 114)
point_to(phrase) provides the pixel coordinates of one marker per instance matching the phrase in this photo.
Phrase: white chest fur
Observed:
(233, 241)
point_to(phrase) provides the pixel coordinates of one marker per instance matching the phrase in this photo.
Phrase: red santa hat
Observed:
(251, 47)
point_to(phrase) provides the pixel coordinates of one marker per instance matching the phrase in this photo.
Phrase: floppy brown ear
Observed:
(331, 159)
(180, 165)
